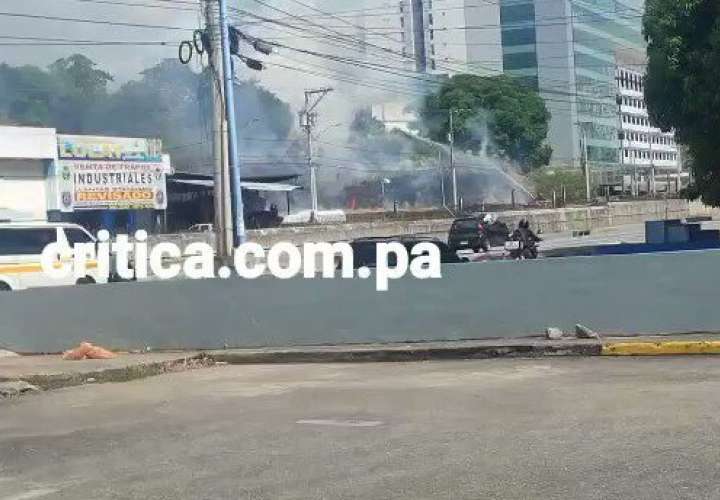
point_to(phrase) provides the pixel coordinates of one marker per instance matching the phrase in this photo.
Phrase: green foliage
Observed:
(365, 125)
(546, 180)
(681, 83)
(380, 145)
(65, 96)
(169, 101)
(25, 95)
(496, 114)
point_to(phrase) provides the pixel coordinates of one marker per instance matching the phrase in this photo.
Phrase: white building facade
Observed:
(46, 176)
(651, 154)
(446, 37)
(27, 159)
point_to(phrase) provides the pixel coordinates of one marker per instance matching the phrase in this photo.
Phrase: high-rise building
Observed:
(570, 50)
(574, 52)
(442, 38)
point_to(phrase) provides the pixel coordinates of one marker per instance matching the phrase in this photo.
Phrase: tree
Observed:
(364, 124)
(681, 83)
(494, 114)
(82, 89)
(169, 101)
(25, 95)
(547, 180)
(64, 96)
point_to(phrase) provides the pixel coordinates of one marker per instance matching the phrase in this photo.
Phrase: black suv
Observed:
(472, 232)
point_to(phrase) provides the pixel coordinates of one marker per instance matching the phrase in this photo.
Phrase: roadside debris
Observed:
(86, 350)
(15, 388)
(8, 354)
(553, 333)
(583, 332)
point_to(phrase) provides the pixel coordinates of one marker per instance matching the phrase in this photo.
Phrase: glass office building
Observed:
(569, 51)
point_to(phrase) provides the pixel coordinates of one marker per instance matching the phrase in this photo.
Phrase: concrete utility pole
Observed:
(442, 178)
(586, 165)
(229, 89)
(453, 172)
(221, 222)
(308, 120)
(678, 181)
(651, 177)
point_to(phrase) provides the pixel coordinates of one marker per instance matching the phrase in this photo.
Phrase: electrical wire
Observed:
(93, 21)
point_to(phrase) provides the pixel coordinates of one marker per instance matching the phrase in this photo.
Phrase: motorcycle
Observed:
(522, 246)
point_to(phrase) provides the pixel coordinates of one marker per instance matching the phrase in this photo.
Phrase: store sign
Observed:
(88, 147)
(95, 185)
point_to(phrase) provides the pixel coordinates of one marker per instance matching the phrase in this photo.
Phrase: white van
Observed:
(21, 245)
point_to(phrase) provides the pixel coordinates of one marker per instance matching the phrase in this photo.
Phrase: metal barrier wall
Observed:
(669, 292)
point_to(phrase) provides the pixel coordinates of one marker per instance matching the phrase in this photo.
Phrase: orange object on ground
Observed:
(86, 350)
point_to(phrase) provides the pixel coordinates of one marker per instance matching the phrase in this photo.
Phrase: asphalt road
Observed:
(566, 428)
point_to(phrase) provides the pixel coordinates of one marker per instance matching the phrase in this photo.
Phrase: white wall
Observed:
(28, 142)
(23, 191)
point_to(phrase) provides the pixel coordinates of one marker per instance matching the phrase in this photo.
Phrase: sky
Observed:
(125, 62)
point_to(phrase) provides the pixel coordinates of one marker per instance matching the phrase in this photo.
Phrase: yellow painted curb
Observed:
(661, 348)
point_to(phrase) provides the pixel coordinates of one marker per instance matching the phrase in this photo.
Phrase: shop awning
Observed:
(268, 186)
(252, 186)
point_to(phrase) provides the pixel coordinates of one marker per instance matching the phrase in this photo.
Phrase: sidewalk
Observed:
(52, 372)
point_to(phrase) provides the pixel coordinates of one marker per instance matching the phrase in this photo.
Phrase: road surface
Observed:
(566, 428)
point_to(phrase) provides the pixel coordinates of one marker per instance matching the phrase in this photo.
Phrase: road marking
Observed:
(660, 348)
(40, 492)
(340, 423)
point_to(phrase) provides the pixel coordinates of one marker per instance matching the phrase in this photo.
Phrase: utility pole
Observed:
(229, 93)
(442, 178)
(308, 120)
(621, 137)
(678, 182)
(453, 172)
(651, 177)
(586, 165)
(221, 222)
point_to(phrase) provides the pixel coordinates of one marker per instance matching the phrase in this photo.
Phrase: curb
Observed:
(120, 374)
(406, 353)
(662, 348)
(377, 353)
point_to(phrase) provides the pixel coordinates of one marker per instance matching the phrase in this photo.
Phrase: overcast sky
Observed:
(124, 62)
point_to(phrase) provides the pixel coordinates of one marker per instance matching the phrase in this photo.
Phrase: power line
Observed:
(144, 5)
(85, 44)
(93, 21)
(448, 68)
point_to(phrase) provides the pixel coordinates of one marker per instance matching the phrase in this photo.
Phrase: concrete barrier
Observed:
(549, 220)
(653, 293)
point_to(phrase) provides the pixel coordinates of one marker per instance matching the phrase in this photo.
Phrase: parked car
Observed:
(476, 234)
(21, 245)
(365, 249)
